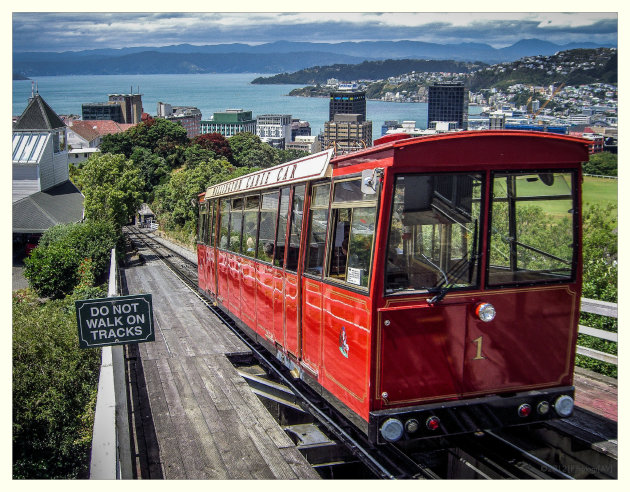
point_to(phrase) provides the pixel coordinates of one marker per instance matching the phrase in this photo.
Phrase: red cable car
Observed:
(426, 286)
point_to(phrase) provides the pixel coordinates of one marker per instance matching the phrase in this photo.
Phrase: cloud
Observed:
(41, 31)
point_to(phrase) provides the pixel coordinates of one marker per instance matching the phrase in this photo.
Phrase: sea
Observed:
(209, 92)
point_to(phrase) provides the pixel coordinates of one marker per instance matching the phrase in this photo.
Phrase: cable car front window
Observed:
(532, 233)
(434, 234)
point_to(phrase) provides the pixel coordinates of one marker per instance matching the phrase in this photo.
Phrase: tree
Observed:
(248, 150)
(175, 201)
(196, 154)
(153, 168)
(112, 187)
(156, 135)
(602, 164)
(216, 143)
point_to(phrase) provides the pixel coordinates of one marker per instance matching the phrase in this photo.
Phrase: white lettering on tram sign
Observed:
(311, 167)
(115, 320)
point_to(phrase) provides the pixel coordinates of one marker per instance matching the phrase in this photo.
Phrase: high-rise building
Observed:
(448, 103)
(121, 108)
(102, 111)
(187, 116)
(347, 133)
(230, 122)
(300, 128)
(131, 106)
(348, 128)
(274, 129)
(347, 102)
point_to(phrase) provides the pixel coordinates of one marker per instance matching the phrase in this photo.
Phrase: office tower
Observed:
(448, 103)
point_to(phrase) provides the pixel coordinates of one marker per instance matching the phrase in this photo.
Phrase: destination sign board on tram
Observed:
(115, 320)
(306, 168)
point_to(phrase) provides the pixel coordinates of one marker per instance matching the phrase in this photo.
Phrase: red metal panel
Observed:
(264, 300)
(428, 353)
(291, 313)
(419, 353)
(312, 316)
(202, 267)
(346, 347)
(222, 269)
(211, 274)
(278, 306)
(234, 284)
(248, 292)
(530, 343)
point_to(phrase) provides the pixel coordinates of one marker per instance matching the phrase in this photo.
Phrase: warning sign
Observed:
(115, 320)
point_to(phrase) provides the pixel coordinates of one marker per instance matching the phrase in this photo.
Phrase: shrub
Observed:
(52, 268)
(54, 390)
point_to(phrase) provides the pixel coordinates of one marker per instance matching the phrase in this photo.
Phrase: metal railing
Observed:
(111, 444)
(602, 308)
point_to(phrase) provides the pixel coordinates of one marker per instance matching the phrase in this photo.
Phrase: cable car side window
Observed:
(297, 212)
(202, 223)
(282, 228)
(236, 225)
(213, 226)
(353, 221)
(267, 229)
(224, 223)
(250, 225)
(434, 233)
(317, 229)
(533, 234)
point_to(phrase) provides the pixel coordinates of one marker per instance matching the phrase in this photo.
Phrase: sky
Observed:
(74, 31)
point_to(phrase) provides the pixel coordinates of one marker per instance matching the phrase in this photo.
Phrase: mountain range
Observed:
(277, 57)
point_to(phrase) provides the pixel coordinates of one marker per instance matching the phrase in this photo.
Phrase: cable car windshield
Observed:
(532, 232)
(433, 241)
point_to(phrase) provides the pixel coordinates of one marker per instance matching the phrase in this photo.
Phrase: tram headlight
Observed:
(392, 430)
(485, 311)
(543, 407)
(412, 425)
(563, 405)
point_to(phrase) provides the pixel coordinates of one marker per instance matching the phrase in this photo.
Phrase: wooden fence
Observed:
(604, 309)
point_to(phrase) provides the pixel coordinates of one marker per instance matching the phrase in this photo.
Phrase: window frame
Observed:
(575, 229)
(372, 203)
(483, 207)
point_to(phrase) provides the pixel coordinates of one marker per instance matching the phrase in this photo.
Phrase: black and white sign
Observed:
(115, 320)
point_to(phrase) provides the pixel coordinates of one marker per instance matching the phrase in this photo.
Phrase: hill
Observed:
(277, 57)
(368, 70)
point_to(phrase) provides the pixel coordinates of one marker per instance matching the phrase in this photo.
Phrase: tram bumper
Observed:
(470, 415)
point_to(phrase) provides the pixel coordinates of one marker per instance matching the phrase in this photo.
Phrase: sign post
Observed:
(115, 320)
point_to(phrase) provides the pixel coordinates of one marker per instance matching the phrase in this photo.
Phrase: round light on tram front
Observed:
(563, 405)
(485, 311)
(392, 430)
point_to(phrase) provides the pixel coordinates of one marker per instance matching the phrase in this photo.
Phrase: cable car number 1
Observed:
(478, 342)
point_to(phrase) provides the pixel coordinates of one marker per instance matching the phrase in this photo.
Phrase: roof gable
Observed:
(38, 115)
(85, 129)
(61, 204)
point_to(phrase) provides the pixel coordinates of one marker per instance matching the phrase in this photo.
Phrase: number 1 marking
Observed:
(478, 341)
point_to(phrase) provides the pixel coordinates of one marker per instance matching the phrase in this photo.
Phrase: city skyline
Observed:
(75, 31)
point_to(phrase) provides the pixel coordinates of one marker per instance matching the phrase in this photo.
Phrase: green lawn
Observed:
(599, 191)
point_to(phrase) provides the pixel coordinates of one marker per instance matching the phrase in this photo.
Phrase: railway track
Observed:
(331, 443)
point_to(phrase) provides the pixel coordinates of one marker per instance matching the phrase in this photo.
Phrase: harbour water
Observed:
(209, 92)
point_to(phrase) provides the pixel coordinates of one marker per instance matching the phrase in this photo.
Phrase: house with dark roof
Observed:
(42, 193)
